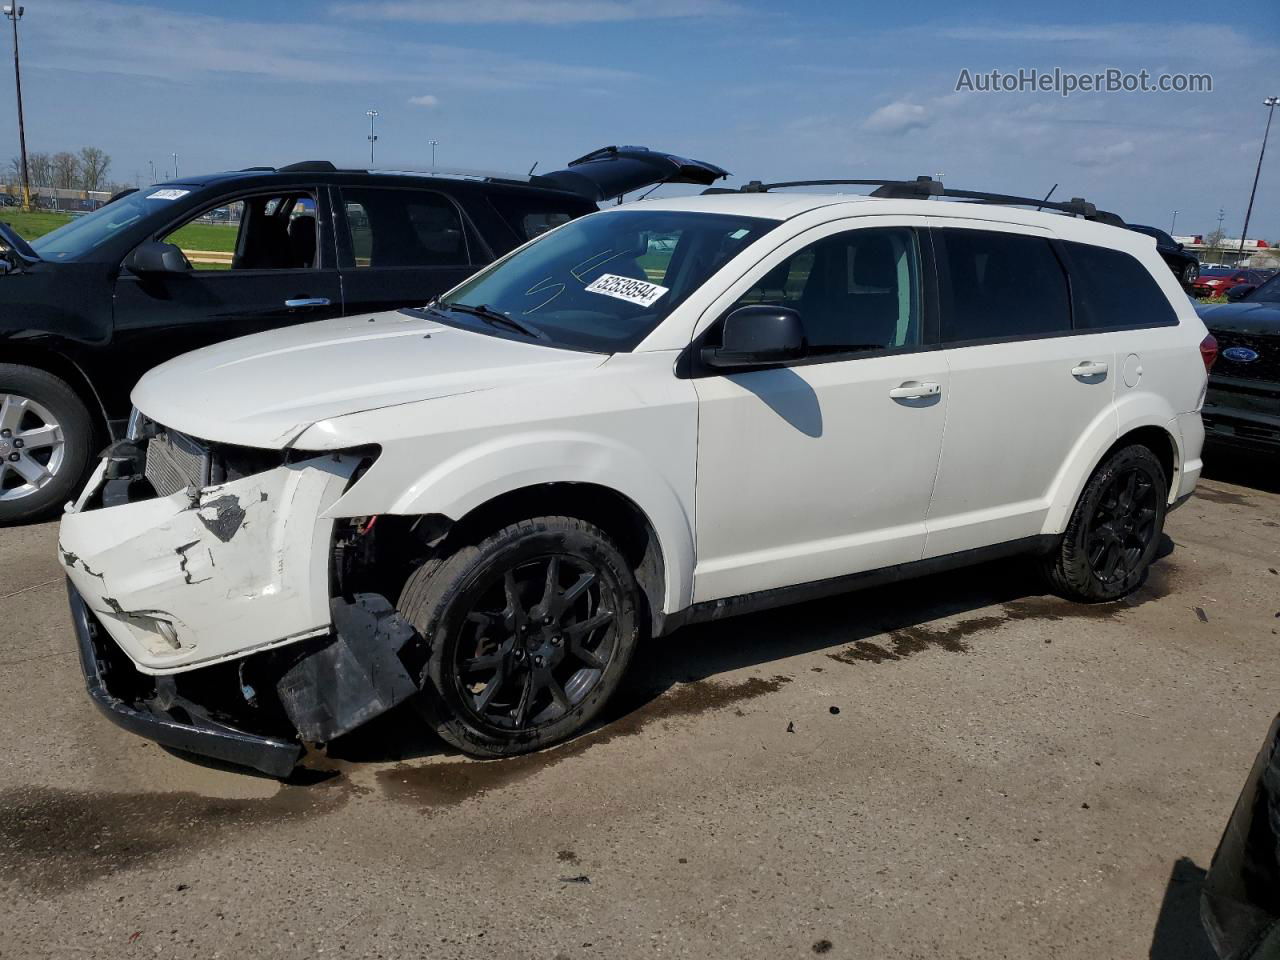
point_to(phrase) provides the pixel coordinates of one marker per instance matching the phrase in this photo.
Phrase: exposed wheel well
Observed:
(64, 369)
(607, 509)
(1158, 441)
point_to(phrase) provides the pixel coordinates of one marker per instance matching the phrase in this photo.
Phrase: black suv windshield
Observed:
(73, 240)
(604, 282)
(1269, 292)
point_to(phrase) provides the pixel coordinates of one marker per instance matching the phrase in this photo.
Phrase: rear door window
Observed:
(1002, 286)
(1112, 289)
(404, 228)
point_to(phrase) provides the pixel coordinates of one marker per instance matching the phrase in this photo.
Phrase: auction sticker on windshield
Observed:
(627, 288)
(167, 194)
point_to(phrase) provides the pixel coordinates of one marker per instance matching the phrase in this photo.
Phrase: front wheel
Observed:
(1190, 274)
(46, 434)
(1114, 531)
(528, 633)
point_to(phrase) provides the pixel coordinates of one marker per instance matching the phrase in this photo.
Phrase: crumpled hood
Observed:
(1259, 317)
(264, 390)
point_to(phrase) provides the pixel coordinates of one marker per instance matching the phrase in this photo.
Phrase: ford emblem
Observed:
(1240, 354)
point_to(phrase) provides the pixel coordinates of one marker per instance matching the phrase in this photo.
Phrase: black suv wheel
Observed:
(45, 437)
(1114, 530)
(529, 633)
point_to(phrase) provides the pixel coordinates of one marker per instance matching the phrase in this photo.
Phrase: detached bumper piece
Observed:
(356, 677)
(107, 674)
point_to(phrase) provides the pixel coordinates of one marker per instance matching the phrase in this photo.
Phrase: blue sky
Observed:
(770, 91)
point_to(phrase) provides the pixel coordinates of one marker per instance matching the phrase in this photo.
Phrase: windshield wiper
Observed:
(493, 317)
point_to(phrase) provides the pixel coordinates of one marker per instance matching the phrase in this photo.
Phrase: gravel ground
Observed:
(956, 767)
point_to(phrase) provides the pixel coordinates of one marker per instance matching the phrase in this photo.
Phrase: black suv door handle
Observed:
(308, 302)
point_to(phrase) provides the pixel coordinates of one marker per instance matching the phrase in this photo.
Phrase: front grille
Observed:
(1266, 367)
(176, 462)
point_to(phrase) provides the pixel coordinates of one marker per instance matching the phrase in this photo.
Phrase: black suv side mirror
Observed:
(155, 256)
(1240, 291)
(758, 336)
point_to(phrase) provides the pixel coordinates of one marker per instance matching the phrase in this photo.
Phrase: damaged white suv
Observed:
(667, 412)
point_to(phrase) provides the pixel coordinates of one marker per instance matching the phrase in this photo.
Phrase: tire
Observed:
(35, 407)
(1114, 531)
(1190, 273)
(513, 665)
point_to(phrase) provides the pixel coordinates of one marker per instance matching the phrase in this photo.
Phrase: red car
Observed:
(1215, 281)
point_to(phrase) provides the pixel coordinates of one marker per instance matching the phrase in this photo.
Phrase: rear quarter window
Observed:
(529, 217)
(1113, 289)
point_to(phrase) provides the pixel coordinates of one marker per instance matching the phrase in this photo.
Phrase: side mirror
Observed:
(758, 336)
(154, 256)
(1179, 246)
(1240, 291)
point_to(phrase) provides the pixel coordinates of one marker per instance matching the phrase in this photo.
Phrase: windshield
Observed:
(605, 281)
(1269, 292)
(73, 240)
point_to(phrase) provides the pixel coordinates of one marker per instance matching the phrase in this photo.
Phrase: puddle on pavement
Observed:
(53, 840)
(448, 783)
(950, 637)
(1222, 496)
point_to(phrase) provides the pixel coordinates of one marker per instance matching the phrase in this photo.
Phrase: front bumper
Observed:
(203, 577)
(105, 669)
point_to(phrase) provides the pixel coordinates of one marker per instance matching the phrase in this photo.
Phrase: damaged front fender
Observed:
(193, 579)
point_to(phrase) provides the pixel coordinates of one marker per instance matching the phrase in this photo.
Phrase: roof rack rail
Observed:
(308, 166)
(923, 188)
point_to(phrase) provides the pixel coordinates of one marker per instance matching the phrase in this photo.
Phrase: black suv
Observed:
(1242, 407)
(1184, 265)
(87, 309)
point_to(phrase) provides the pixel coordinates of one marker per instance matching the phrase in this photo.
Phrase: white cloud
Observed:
(147, 41)
(1104, 155)
(897, 118)
(533, 11)
(426, 100)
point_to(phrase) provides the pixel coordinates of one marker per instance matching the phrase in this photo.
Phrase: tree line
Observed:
(86, 170)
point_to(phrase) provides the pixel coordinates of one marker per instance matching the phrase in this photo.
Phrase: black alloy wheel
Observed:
(535, 643)
(1123, 524)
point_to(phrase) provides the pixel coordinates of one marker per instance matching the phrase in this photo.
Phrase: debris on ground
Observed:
(822, 946)
(580, 878)
(834, 710)
(1204, 617)
(791, 727)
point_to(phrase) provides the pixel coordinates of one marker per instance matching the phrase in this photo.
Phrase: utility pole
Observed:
(175, 165)
(433, 152)
(14, 13)
(152, 164)
(1269, 103)
(373, 137)
(1173, 222)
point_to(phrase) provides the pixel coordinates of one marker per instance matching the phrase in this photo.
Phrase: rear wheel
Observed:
(529, 633)
(1114, 530)
(1190, 273)
(45, 437)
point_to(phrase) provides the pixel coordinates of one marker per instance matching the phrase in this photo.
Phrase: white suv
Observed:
(671, 411)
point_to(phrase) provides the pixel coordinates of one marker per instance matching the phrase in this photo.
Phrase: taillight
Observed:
(1209, 351)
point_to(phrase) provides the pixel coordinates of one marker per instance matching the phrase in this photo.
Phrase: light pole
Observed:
(175, 165)
(152, 164)
(433, 152)
(373, 137)
(1270, 104)
(1173, 223)
(14, 13)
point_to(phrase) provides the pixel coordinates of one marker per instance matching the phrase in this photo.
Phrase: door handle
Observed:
(308, 302)
(1089, 368)
(913, 390)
